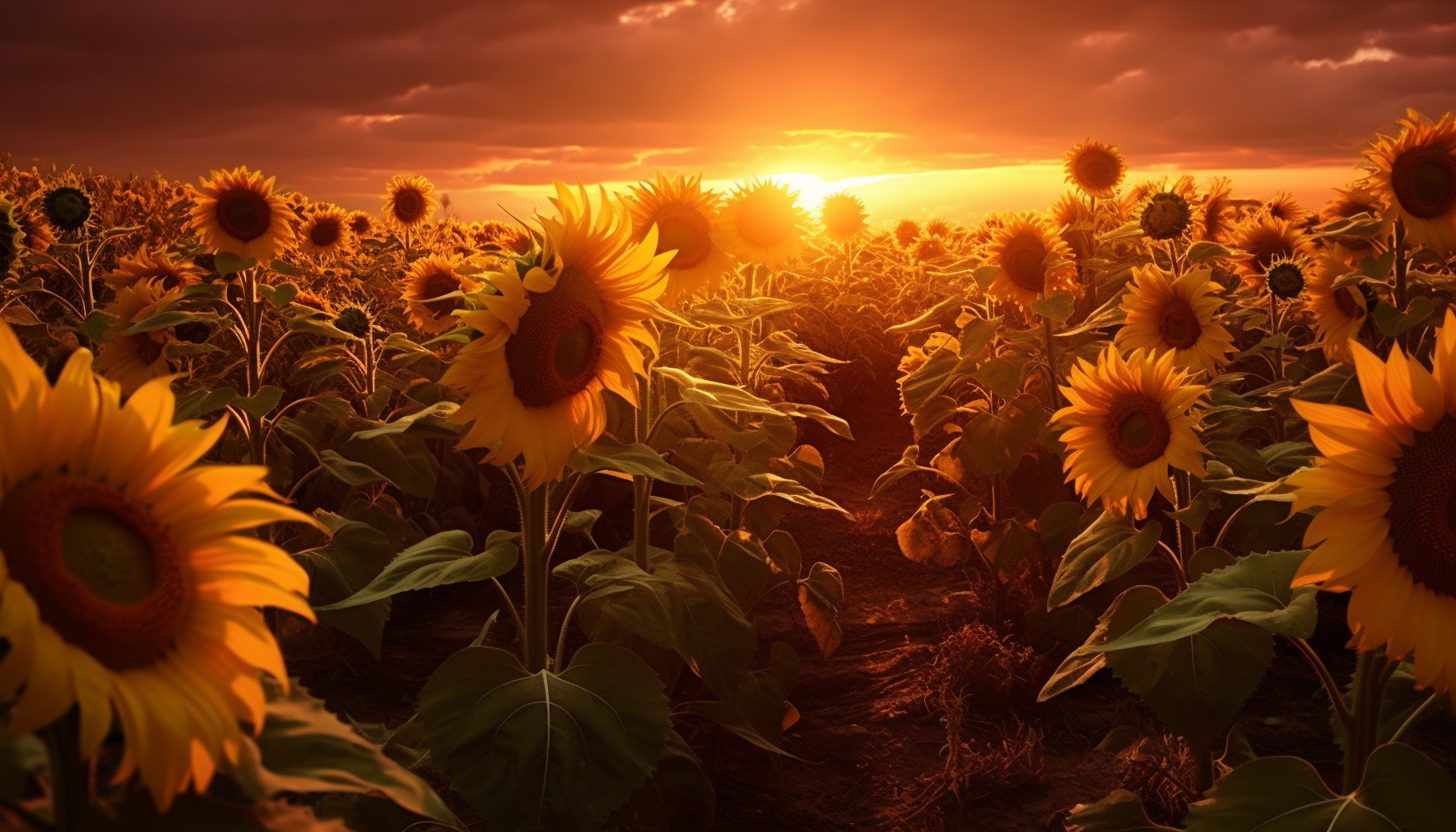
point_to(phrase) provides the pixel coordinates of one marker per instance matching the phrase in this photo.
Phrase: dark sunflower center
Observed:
(354, 321)
(1424, 180)
(1166, 216)
(685, 231)
(409, 205)
(1097, 170)
(557, 348)
(767, 220)
(1346, 303)
(1423, 508)
(148, 350)
(67, 208)
(1137, 430)
(325, 232)
(1178, 324)
(360, 225)
(1286, 280)
(243, 214)
(435, 285)
(103, 571)
(1023, 259)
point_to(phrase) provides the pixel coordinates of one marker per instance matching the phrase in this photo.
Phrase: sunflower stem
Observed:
(531, 502)
(1369, 689)
(1204, 759)
(1051, 362)
(1416, 716)
(68, 774)
(1183, 490)
(88, 292)
(1402, 291)
(1327, 679)
(253, 337)
(641, 483)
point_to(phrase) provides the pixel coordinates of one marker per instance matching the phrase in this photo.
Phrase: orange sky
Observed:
(922, 107)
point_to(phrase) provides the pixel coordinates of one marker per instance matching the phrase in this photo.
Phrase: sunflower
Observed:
(1416, 175)
(1285, 277)
(326, 232)
(688, 223)
(1165, 215)
(1177, 314)
(1215, 211)
(361, 224)
(558, 335)
(67, 208)
(354, 320)
(238, 212)
(1096, 168)
(907, 231)
(128, 579)
(147, 265)
(930, 248)
(409, 202)
(35, 235)
(1031, 260)
(132, 360)
(427, 281)
(1264, 238)
(937, 227)
(843, 216)
(763, 223)
(1338, 313)
(1387, 480)
(1349, 202)
(1074, 218)
(11, 237)
(1284, 206)
(916, 357)
(1127, 422)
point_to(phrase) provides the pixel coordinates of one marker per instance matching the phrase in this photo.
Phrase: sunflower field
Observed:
(678, 509)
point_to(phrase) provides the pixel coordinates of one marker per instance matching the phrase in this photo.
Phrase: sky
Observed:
(921, 107)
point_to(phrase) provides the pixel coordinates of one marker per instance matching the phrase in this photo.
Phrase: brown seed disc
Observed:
(1136, 429)
(557, 348)
(243, 214)
(1422, 511)
(1178, 324)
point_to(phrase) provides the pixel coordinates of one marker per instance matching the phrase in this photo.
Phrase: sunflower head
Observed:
(1264, 238)
(1338, 312)
(153, 266)
(1349, 202)
(1128, 421)
(764, 223)
(1216, 210)
(132, 360)
(1097, 169)
(1285, 277)
(843, 216)
(67, 208)
(11, 238)
(326, 232)
(354, 320)
(907, 231)
(1284, 206)
(930, 249)
(409, 202)
(1031, 260)
(237, 212)
(427, 282)
(1415, 173)
(937, 227)
(35, 234)
(1178, 314)
(687, 220)
(361, 224)
(1076, 222)
(1165, 216)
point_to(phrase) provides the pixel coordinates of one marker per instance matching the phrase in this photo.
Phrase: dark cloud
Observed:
(334, 96)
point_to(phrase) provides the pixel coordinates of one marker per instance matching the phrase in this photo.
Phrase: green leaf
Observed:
(438, 560)
(1254, 589)
(228, 263)
(1121, 811)
(1402, 791)
(21, 758)
(1207, 250)
(1105, 550)
(749, 481)
(995, 443)
(715, 394)
(16, 313)
(304, 748)
(432, 416)
(1393, 322)
(1002, 375)
(261, 403)
(928, 380)
(347, 470)
(546, 751)
(355, 554)
(1010, 543)
(934, 532)
(96, 325)
(907, 464)
(678, 796)
(1059, 307)
(607, 454)
(1133, 605)
(1206, 560)
(821, 596)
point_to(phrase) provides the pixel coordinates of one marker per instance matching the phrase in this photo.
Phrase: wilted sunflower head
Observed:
(238, 212)
(688, 222)
(931, 248)
(35, 234)
(843, 216)
(764, 223)
(1263, 239)
(907, 231)
(1216, 211)
(153, 266)
(1415, 173)
(1032, 261)
(67, 208)
(937, 227)
(1165, 216)
(326, 232)
(427, 282)
(1096, 168)
(1285, 277)
(1284, 206)
(409, 201)
(354, 320)
(11, 237)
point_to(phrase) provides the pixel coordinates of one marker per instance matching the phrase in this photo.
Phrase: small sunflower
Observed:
(361, 224)
(1416, 175)
(1352, 201)
(35, 235)
(326, 232)
(763, 223)
(1387, 481)
(555, 337)
(11, 238)
(1032, 261)
(1338, 313)
(1127, 422)
(128, 578)
(916, 357)
(426, 282)
(67, 208)
(1165, 215)
(355, 320)
(1176, 314)
(843, 216)
(133, 360)
(1074, 218)
(238, 212)
(1096, 168)
(688, 222)
(1285, 277)
(1216, 211)
(409, 202)
(1263, 239)
(907, 231)
(937, 227)
(1284, 206)
(153, 266)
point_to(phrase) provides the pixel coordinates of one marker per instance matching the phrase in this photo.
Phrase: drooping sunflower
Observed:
(557, 336)
(361, 224)
(1416, 175)
(67, 208)
(11, 237)
(1284, 206)
(1263, 238)
(1076, 224)
(1032, 261)
(843, 216)
(1352, 201)
(35, 234)
(326, 232)
(128, 580)
(763, 223)
(1127, 422)
(409, 202)
(688, 222)
(1216, 211)
(1338, 312)
(1096, 168)
(133, 360)
(1387, 480)
(907, 231)
(238, 212)
(1176, 314)
(154, 266)
(426, 282)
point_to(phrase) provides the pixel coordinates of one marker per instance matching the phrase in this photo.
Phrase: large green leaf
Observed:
(1121, 811)
(1402, 791)
(928, 380)
(355, 554)
(995, 443)
(540, 750)
(304, 748)
(1254, 589)
(677, 797)
(438, 560)
(607, 454)
(1103, 551)
(1132, 606)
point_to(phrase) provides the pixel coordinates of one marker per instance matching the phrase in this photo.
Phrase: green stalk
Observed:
(1372, 671)
(532, 505)
(253, 337)
(1402, 291)
(68, 774)
(1051, 361)
(641, 483)
(1183, 490)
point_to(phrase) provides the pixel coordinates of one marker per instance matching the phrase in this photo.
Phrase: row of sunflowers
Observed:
(1203, 370)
